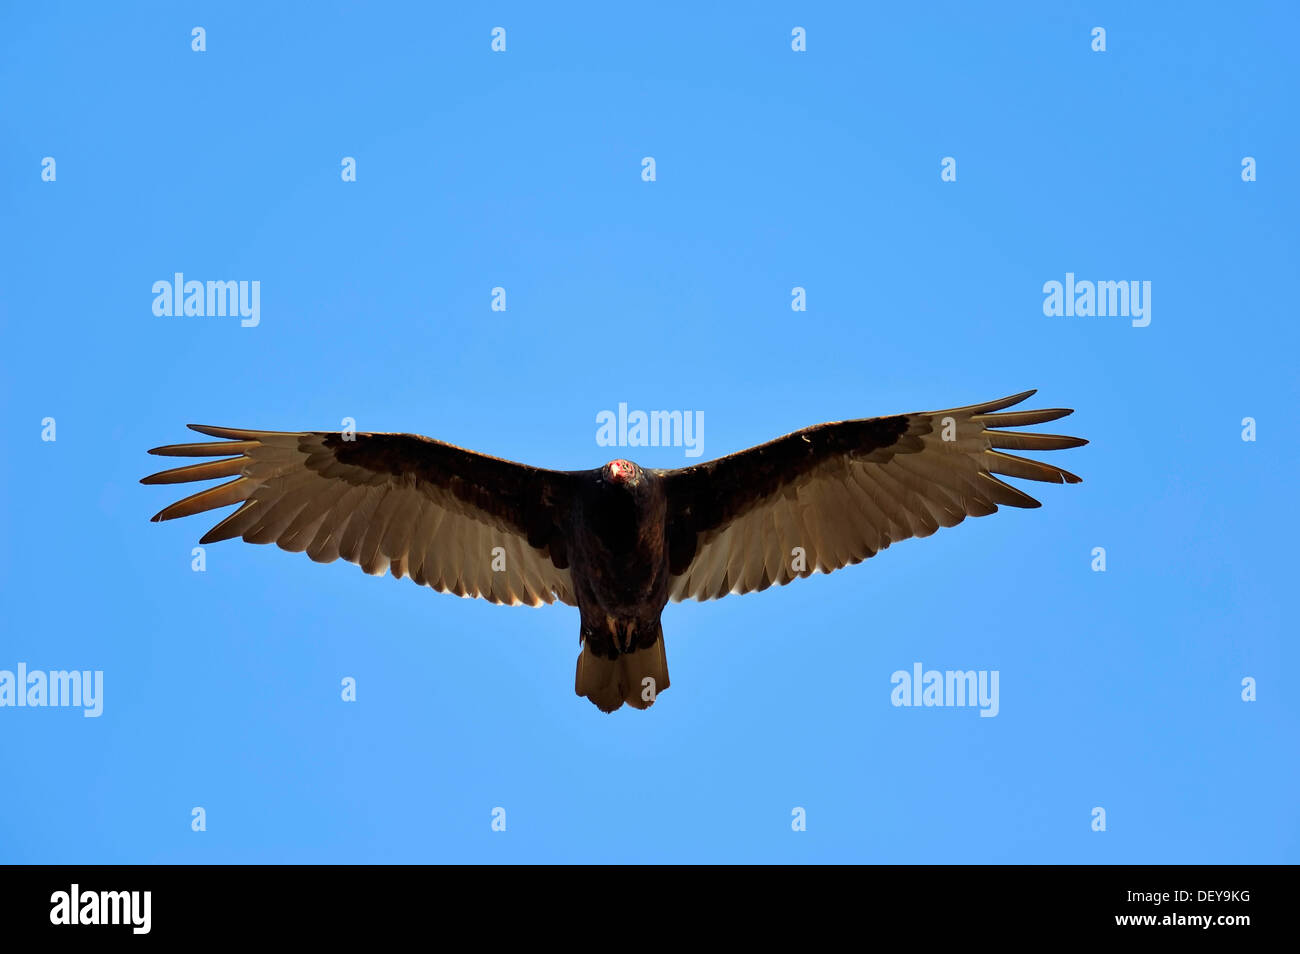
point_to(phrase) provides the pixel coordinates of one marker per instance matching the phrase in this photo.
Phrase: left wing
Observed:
(845, 491)
(422, 508)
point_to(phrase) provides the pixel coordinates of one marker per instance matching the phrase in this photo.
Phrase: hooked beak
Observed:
(621, 471)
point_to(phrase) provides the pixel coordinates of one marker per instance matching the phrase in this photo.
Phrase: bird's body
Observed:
(618, 550)
(620, 541)
(619, 562)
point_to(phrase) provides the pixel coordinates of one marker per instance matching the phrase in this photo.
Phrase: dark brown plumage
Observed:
(619, 541)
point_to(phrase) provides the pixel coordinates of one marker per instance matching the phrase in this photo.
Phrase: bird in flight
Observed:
(620, 541)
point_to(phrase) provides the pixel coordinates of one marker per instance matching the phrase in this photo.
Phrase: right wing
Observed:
(844, 491)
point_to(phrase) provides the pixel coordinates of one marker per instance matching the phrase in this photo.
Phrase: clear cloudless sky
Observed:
(821, 169)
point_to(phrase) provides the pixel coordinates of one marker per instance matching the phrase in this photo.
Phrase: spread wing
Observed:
(844, 491)
(422, 508)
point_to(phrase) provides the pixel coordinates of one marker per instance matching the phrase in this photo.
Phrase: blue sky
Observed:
(775, 169)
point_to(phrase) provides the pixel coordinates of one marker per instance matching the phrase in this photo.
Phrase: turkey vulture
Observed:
(619, 541)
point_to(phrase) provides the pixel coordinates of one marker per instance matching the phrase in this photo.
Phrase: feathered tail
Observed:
(635, 678)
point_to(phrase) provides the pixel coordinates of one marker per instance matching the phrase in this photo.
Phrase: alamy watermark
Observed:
(194, 299)
(1086, 299)
(950, 688)
(76, 906)
(651, 429)
(56, 688)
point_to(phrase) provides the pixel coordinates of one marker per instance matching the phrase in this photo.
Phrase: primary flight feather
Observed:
(619, 541)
